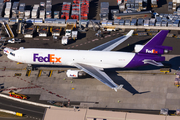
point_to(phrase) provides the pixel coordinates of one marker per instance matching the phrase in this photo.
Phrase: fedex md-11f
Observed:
(95, 60)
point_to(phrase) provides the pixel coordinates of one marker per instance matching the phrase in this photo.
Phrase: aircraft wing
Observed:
(113, 43)
(98, 74)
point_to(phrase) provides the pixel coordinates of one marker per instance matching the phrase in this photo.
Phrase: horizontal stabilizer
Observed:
(152, 62)
(119, 87)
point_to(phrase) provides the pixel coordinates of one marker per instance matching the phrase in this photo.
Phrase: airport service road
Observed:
(29, 111)
(88, 41)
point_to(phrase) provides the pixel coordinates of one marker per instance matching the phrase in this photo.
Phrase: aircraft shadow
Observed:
(130, 48)
(120, 80)
(175, 63)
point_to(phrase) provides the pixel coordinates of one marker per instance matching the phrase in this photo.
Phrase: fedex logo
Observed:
(49, 58)
(151, 51)
(72, 75)
(6, 51)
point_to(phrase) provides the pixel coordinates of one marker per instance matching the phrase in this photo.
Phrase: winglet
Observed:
(119, 87)
(130, 33)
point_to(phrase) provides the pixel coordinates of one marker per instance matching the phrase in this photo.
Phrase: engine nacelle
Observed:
(150, 50)
(75, 73)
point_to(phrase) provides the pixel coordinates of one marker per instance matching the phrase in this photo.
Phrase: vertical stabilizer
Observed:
(154, 46)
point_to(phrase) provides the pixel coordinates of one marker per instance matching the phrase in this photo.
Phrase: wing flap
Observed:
(98, 74)
(113, 43)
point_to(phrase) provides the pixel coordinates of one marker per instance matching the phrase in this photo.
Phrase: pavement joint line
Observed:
(46, 90)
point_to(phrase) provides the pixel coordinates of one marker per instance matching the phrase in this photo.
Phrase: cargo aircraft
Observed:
(95, 60)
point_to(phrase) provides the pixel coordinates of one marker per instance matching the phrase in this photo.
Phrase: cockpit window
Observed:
(12, 54)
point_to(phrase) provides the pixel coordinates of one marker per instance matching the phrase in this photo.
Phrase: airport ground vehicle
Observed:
(74, 35)
(14, 40)
(56, 31)
(154, 3)
(177, 79)
(70, 31)
(64, 40)
(17, 95)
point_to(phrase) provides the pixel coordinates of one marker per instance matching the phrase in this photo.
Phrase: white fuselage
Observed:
(102, 59)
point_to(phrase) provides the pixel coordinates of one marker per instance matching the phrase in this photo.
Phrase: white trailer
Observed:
(27, 14)
(64, 40)
(74, 35)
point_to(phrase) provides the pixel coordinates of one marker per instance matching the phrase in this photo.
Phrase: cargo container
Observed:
(121, 7)
(27, 14)
(21, 10)
(164, 24)
(154, 3)
(15, 9)
(56, 14)
(134, 22)
(114, 11)
(28, 30)
(176, 23)
(48, 9)
(116, 22)
(152, 22)
(7, 11)
(104, 22)
(42, 14)
(146, 21)
(140, 21)
(170, 6)
(143, 14)
(121, 22)
(127, 22)
(104, 11)
(158, 19)
(65, 10)
(35, 11)
(158, 23)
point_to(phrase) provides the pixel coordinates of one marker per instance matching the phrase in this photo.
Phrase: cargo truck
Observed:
(14, 40)
(28, 30)
(56, 31)
(7, 11)
(43, 31)
(104, 11)
(69, 29)
(21, 10)
(64, 40)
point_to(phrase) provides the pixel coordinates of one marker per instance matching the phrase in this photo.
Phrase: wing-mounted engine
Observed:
(152, 50)
(75, 73)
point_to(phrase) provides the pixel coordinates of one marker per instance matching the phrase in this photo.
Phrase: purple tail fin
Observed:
(154, 46)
